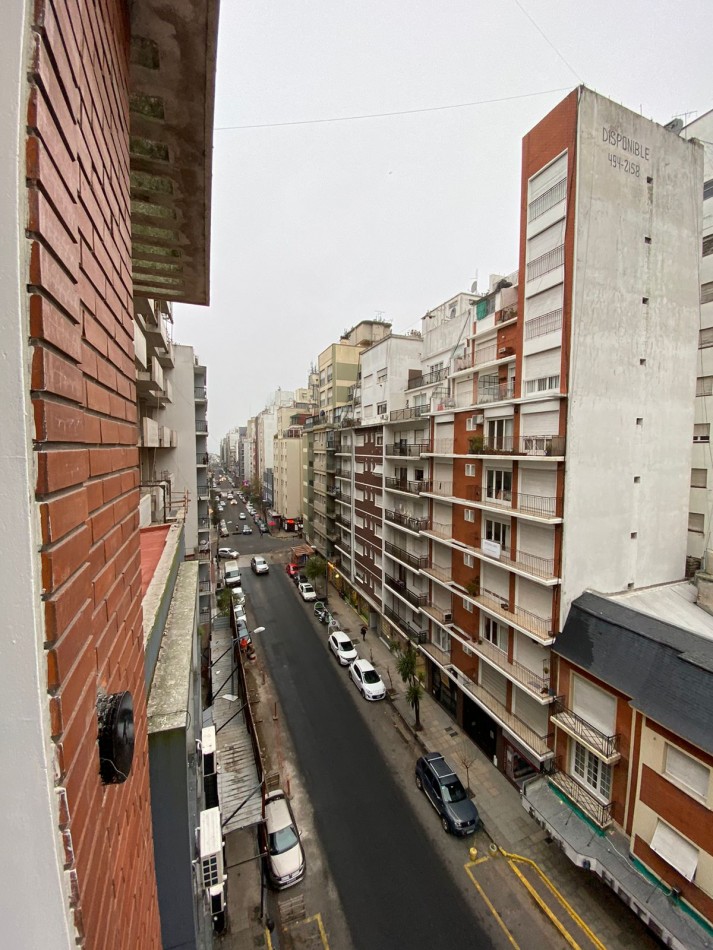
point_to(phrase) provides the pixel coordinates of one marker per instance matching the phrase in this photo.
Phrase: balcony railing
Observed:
(201, 425)
(343, 520)
(539, 744)
(402, 415)
(543, 567)
(203, 492)
(436, 376)
(440, 529)
(533, 682)
(200, 393)
(204, 587)
(413, 597)
(485, 354)
(406, 521)
(606, 747)
(411, 486)
(545, 263)
(415, 561)
(202, 458)
(495, 393)
(409, 450)
(343, 545)
(443, 615)
(413, 633)
(441, 573)
(599, 812)
(539, 627)
(529, 445)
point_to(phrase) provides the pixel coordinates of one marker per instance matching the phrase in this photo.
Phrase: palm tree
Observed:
(316, 567)
(407, 666)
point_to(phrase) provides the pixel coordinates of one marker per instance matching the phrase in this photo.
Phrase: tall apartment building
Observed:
(699, 518)
(101, 148)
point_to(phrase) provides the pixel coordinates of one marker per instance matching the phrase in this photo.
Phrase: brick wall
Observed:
(83, 391)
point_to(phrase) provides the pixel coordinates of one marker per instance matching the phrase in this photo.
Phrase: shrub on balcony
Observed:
(475, 444)
(473, 587)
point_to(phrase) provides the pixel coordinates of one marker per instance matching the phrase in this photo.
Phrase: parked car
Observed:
(238, 596)
(259, 565)
(239, 612)
(285, 857)
(299, 578)
(242, 516)
(307, 592)
(444, 790)
(229, 553)
(342, 647)
(292, 569)
(247, 529)
(367, 680)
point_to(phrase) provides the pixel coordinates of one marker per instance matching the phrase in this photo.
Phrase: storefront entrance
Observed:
(444, 690)
(480, 727)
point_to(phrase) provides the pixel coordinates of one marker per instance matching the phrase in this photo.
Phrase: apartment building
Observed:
(101, 147)
(699, 524)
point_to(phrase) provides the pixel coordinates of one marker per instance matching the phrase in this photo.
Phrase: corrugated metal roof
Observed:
(667, 671)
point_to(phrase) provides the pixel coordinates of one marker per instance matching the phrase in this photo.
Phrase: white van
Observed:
(231, 574)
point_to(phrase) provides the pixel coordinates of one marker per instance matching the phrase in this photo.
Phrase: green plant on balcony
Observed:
(473, 587)
(475, 444)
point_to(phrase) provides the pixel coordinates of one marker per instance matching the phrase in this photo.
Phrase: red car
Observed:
(292, 570)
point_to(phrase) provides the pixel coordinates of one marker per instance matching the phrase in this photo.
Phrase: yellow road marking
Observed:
(268, 939)
(320, 925)
(512, 858)
(489, 904)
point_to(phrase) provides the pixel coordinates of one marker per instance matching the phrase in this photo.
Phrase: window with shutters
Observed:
(542, 385)
(705, 337)
(696, 522)
(704, 386)
(707, 248)
(675, 850)
(702, 432)
(699, 478)
(685, 770)
(707, 292)
(708, 189)
(592, 771)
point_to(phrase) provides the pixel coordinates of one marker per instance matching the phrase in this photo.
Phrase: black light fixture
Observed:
(115, 714)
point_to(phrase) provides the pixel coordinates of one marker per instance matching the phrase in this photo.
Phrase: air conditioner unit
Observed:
(210, 766)
(448, 617)
(210, 843)
(479, 420)
(384, 416)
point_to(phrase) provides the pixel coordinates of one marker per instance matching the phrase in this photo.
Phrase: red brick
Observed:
(64, 651)
(44, 221)
(106, 374)
(61, 468)
(46, 274)
(95, 493)
(60, 515)
(62, 559)
(47, 323)
(51, 373)
(101, 522)
(64, 604)
(58, 422)
(98, 399)
(95, 335)
(103, 582)
(63, 113)
(111, 487)
(89, 361)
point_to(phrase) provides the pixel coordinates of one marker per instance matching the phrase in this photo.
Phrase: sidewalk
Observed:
(504, 819)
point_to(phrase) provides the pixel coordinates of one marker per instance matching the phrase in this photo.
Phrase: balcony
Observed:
(405, 521)
(527, 445)
(202, 458)
(444, 617)
(415, 561)
(343, 520)
(203, 492)
(342, 472)
(403, 415)
(406, 449)
(442, 657)
(599, 812)
(410, 486)
(539, 628)
(540, 567)
(343, 545)
(440, 572)
(413, 597)
(412, 632)
(539, 745)
(495, 393)
(201, 425)
(536, 684)
(604, 747)
(428, 379)
(204, 587)
(200, 393)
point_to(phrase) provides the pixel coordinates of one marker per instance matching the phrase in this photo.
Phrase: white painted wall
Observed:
(35, 898)
(612, 332)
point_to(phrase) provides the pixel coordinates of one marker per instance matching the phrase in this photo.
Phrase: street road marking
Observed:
(316, 918)
(488, 902)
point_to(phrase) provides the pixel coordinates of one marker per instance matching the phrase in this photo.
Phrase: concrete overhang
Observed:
(172, 95)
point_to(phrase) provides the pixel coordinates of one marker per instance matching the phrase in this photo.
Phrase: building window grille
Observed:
(544, 324)
(547, 199)
(546, 262)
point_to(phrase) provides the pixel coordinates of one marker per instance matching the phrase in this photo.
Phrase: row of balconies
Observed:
(526, 445)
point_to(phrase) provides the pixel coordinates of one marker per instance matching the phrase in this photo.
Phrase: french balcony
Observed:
(410, 486)
(415, 561)
(405, 521)
(537, 744)
(599, 812)
(440, 572)
(415, 598)
(428, 379)
(403, 415)
(604, 747)
(535, 683)
(539, 628)
(413, 633)
(406, 449)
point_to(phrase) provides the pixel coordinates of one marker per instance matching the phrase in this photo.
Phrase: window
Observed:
(708, 189)
(467, 606)
(379, 439)
(687, 771)
(699, 478)
(494, 633)
(675, 850)
(702, 432)
(468, 514)
(592, 771)
(542, 384)
(696, 522)
(498, 532)
(705, 337)
(707, 249)
(470, 424)
(468, 560)
(381, 408)
(470, 469)
(704, 386)
(498, 485)
(707, 292)
(381, 376)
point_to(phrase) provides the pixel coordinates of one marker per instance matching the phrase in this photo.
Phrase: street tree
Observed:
(407, 666)
(316, 567)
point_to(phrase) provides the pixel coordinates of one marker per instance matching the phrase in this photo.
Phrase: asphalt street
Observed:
(394, 888)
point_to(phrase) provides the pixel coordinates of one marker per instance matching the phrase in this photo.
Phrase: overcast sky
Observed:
(318, 223)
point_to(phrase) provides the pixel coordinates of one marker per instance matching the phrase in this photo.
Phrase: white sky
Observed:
(319, 225)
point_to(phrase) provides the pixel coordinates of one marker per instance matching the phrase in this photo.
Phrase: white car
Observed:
(259, 565)
(247, 529)
(285, 857)
(230, 553)
(342, 647)
(242, 516)
(367, 680)
(238, 596)
(307, 592)
(239, 612)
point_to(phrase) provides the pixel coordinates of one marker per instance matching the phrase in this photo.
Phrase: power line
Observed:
(547, 40)
(388, 115)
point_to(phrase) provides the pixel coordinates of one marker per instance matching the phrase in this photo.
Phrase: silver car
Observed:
(285, 857)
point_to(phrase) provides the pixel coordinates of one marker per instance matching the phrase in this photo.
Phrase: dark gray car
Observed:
(444, 790)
